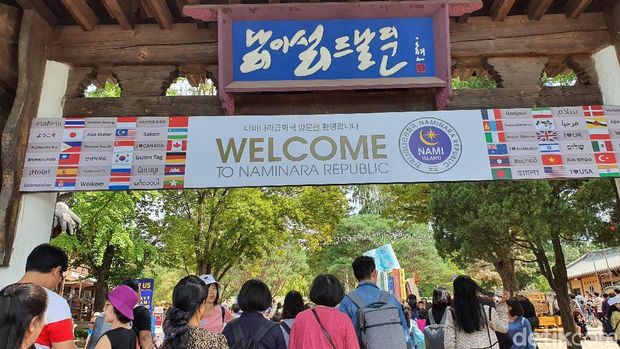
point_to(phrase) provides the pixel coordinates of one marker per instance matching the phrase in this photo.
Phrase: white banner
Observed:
(212, 152)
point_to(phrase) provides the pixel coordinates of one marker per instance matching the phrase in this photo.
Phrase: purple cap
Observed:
(123, 299)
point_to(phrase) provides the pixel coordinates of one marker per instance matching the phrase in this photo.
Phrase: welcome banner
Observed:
(126, 153)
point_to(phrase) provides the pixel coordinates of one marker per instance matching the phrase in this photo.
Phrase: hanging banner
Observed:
(213, 152)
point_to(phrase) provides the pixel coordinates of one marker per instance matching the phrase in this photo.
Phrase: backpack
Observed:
(503, 339)
(379, 323)
(242, 342)
(434, 333)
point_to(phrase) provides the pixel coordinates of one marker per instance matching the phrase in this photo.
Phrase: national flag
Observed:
(608, 170)
(65, 183)
(177, 145)
(495, 137)
(497, 149)
(122, 158)
(178, 121)
(174, 182)
(602, 146)
(547, 136)
(120, 172)
(605, 158)
(125, 133)
(128, 143)
(552, 147)
(174, 170)
(596, 122)
(175, 158)
(492, 125)
(554, 171)
(551, 160)
(178, 131)
(69, 159)
(73, 135)
(501, 173)
(541, 113)
(71, 147)
(74, 123)
(119, 183)
(544, 125)
(499, 161)
(593, 110)
(69, 171)
(126, 122)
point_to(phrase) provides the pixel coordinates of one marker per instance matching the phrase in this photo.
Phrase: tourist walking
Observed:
(434, 333)
(472, 324)
(22, 315)
(293, 305)
(45, 267)
(614, 319)
(324, 327)
(367, 293)
(118, 311)
(182, 324)
(254, 299)
(141, 323)
(216, 315)
(519, 327)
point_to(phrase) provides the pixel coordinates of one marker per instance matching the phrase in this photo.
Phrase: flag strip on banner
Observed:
(179, 152)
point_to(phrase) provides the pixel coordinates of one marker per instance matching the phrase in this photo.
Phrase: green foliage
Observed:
(566, 79)
(413, 247)
(80, 333)
(219, 230)
(474, 82)
(109, 90)
(181, 87)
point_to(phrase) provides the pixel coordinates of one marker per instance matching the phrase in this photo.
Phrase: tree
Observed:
(216, 230)
(413, 247)
(108, 242)
(471, 221)
(540, 216)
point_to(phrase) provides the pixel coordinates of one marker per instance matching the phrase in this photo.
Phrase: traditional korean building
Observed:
(595, 271)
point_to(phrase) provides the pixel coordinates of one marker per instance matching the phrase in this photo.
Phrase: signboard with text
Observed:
(178, 152)
(146, 293)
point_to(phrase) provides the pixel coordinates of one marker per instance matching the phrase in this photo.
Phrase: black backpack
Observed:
(242, 342)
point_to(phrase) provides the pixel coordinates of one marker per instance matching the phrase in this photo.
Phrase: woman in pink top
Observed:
(324, 327)
(216, 316)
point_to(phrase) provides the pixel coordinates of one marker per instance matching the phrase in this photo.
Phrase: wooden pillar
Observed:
(34, 34)
(144, 81)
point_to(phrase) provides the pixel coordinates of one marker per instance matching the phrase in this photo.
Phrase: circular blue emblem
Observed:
(430, 145)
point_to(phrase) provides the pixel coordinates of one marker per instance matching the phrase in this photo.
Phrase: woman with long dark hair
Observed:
(293, 305)
(182, 324)
(216, 315)
(472, 325)
(441, 302)
(22, 315)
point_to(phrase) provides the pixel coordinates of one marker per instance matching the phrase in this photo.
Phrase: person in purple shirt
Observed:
(366, 275)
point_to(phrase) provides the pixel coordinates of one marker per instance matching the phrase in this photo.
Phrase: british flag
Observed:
(547, 136)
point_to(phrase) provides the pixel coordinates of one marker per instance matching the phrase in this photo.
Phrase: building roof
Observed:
(601, 261)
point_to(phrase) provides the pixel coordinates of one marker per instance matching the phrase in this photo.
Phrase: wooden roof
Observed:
(127, 13)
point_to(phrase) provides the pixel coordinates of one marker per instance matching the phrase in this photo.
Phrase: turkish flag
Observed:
(605, 158)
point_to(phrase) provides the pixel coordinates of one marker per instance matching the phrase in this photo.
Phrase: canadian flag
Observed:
(177, 145)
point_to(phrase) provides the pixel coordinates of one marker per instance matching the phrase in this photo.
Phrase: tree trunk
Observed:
(506, 270)
(101, 286)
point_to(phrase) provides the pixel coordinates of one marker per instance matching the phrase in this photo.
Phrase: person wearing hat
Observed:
(216, 316)
(119, 312)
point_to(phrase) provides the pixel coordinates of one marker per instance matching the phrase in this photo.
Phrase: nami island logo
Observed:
(430, 145)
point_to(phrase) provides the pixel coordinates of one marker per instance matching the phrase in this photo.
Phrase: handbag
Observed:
(329, 338)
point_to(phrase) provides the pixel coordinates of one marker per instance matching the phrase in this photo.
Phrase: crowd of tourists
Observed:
(33, 316)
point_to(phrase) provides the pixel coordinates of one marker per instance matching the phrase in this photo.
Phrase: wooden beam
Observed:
(146, 44)
(82, 13)
(500, 9)
(121, 10)
(144, 106)
(42, 9)
(518, 36)
(537, 8)
(34, 34)
(574, 8)
(146, 80)
(162, 13)
(518, 98)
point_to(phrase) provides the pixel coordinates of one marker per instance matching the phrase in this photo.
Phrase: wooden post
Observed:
(34, 34)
